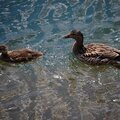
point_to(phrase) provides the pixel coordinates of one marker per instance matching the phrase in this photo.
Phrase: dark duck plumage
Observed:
(94, 53)
(16, 56)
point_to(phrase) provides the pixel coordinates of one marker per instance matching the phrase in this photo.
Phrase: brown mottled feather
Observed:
(22, 55)
(102, 50)
(94, 53)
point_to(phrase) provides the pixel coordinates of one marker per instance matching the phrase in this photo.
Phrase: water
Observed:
(58, 86)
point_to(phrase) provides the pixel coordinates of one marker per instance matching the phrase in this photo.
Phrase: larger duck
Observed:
(17, 56)
(94, 53)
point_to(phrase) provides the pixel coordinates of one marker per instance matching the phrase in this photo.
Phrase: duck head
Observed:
(3, 49)
(78, 47)
(75, 34)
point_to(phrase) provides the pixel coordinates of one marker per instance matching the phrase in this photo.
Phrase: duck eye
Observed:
(72, 33)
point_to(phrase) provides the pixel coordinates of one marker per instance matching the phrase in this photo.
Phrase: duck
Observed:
(17, 56)
(93, 53)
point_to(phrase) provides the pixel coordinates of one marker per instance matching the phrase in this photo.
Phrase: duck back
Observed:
(22, 55)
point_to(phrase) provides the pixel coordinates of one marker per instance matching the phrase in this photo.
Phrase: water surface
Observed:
(58, 86)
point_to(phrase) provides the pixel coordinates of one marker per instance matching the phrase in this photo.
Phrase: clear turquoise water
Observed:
(58, 86)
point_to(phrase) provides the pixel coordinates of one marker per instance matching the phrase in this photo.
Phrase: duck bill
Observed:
(67, 36)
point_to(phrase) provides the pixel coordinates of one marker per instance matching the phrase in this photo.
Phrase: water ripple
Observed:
(58, 86)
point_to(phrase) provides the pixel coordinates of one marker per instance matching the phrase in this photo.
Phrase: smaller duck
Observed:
(94, 53)
(17, 56)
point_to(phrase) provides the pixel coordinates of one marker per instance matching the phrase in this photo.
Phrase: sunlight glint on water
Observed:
(58, 86)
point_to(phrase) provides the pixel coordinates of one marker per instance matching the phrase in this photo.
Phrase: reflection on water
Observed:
(58, 86)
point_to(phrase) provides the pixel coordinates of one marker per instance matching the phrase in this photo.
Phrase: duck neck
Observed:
(79, 48)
